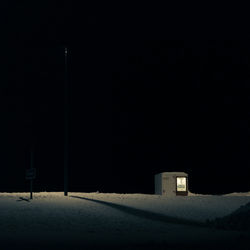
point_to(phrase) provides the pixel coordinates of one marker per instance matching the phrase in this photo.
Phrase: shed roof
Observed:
(174, 173)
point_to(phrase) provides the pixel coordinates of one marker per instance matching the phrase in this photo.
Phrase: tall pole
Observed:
(66, 124)
(32, 167)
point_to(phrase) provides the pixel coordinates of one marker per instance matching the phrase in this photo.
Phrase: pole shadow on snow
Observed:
(146, 214)
(23, 199)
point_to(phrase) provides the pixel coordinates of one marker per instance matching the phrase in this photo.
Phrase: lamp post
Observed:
(66, 124)
(31, 168)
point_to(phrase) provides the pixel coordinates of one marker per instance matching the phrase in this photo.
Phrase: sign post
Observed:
(31, 173)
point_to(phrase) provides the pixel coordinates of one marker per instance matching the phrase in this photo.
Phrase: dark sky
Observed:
(152, 89)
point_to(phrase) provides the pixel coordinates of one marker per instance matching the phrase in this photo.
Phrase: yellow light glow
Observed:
(181, 184)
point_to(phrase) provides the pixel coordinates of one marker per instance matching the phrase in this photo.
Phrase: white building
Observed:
(171, 183)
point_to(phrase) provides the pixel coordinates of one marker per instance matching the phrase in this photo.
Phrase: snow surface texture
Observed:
(127, 221)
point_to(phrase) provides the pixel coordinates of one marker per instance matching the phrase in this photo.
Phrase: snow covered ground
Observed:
(121, 221)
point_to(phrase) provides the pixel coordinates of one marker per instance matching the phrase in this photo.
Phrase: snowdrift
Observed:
(123, 221)
(238, 220)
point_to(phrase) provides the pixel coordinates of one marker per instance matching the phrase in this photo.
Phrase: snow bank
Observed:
(105, 219)
(237, 220)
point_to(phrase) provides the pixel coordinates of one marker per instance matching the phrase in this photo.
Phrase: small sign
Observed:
(30, 174)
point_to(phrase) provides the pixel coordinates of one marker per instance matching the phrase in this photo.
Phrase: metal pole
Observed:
(31, 166)
(31, 189)
(66, 124)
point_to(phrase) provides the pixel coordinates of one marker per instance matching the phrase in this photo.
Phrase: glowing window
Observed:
(181, 184)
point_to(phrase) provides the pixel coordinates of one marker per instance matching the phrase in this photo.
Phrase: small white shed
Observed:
(171, 183)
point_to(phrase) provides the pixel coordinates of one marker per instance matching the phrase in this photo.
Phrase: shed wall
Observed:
(165, 183)
(158, 184)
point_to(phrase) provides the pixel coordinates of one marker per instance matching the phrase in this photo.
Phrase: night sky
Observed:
(152, 89)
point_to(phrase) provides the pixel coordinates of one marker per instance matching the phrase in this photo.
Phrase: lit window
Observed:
(181, 184)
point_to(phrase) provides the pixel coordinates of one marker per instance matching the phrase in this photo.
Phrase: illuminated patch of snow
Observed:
(111, 218)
